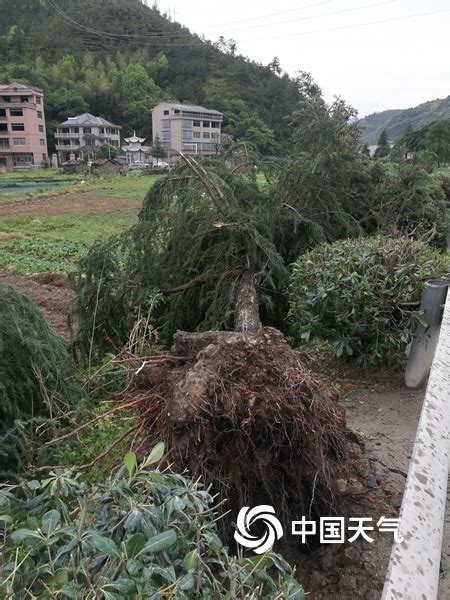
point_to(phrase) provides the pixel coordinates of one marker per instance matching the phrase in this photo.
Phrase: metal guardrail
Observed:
(413, 572)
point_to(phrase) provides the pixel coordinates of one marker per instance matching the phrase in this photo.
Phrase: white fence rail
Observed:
(413, 571)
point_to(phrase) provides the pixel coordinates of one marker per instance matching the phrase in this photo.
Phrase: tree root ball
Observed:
(244, 412)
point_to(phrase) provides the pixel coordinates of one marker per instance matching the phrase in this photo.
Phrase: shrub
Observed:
(37, 378)
(139, 534)
(362, 295)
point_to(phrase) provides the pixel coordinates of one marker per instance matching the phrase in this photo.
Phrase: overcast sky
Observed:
(394, 63)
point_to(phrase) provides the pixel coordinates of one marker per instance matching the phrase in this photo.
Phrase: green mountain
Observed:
(80, 50)
(396, 121)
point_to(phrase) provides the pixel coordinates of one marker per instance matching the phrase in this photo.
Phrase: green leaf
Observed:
(155, 455)
(162, 541)
(50, 521)
(213, 541)
(60, 578)
(190, 561)
(130, 462)
(22, 534)
(252, 563)
(187, 583)
(6, 518)
(135, 544)
(105, 545)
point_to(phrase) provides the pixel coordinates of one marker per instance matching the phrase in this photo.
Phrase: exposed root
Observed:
(244, 411)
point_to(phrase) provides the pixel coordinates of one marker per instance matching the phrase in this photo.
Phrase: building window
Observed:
(197, 134)
(215, 125)
(6, 98)
(206, 135)
(24, 99)
(87, 130)
(41, 129)
(196, 123)
(44, 157)
(166, 112)
(166, 135)
(38, 100)
(215, 135)
(176, 111)
(22, 159)
(206, 124)
(42, 142)
(4, 143)
(3, 127)
(19, 142)
(2, 112)
(39, 114)
(17, 126)
(16, 112)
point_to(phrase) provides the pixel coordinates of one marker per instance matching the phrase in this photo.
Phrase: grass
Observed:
(55, 243)
(134, 185)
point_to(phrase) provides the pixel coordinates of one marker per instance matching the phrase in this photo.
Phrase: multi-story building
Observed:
(187, 128)
(23, 139)
(83, 135)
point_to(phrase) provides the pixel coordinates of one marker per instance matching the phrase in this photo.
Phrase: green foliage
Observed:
(325, 178)
(407, 199)
(383, 147)
(158, 149)
(210, 224)
(362, 295)
(138, 534)
(433, 139)
(107, 151)
(37, 378)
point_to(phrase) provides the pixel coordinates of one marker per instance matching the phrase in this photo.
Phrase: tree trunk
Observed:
(246, 316)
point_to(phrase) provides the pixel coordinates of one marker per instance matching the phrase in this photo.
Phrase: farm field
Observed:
(49, 232)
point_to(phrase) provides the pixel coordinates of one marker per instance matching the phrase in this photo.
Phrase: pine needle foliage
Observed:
(37, 378)
(201, 226)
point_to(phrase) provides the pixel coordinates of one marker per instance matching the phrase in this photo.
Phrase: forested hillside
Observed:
(117, 58)
(396, 121)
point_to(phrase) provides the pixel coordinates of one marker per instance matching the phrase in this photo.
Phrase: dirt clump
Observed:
(243, 411)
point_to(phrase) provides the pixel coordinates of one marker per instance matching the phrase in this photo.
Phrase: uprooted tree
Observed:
(212, 246)
(211, 251)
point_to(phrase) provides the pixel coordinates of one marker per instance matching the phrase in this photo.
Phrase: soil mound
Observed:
(245, 412)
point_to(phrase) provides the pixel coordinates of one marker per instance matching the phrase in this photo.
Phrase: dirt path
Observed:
(78, 202)
(385, 417)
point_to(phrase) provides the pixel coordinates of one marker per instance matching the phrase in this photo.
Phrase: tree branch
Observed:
(205, 278)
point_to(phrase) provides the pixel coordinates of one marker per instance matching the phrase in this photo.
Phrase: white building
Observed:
(83, 135)
(187, 128)
(135, 152)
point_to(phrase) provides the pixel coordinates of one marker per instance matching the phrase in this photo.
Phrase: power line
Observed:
(67, 18)
(379, 22)
(298, 34)
(329, 14)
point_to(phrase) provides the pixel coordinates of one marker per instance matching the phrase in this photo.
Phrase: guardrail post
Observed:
(425, 338)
